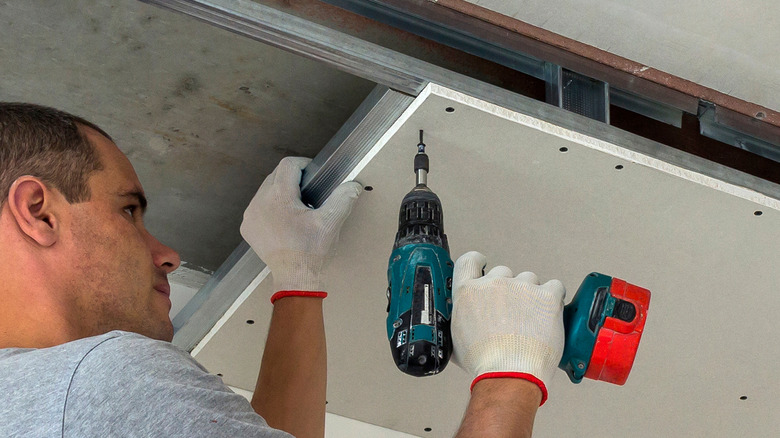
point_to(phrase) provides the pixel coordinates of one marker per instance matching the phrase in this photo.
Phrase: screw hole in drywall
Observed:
(450, 109)
(250, 321)
(219, 374)
(368, 188)
(758, 213)
(619, 167)
(744, 397)
(564, 149)
(427, 429)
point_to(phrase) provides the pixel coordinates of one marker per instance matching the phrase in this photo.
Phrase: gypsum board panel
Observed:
(541, 198)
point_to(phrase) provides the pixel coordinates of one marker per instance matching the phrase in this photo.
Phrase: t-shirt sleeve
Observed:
(133, 386)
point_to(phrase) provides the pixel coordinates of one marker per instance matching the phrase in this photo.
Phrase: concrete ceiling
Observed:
(726, 45)
(203, 114)
(509, 191)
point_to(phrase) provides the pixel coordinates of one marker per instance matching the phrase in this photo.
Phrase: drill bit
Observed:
(421, 163)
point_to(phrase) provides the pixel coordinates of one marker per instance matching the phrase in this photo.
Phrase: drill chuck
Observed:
(420, 220)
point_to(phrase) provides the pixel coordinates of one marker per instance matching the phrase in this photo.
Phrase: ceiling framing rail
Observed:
(590, 86)
(234, 280)
(400, 79)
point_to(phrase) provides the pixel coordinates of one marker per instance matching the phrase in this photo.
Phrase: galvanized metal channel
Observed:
(215, 297)
(379, 110)
(712, 127)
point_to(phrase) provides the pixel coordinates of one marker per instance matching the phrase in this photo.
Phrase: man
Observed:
(84, 329)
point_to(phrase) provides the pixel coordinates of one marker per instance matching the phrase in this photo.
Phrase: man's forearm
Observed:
(503, 407)
(290, 391)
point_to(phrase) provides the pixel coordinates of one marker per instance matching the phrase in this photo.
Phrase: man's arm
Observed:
(290, 391)
(501, 408)
(507, 332)
(293, 241)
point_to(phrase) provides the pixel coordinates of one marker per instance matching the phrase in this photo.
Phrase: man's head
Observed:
(73, 247)
(46, 143)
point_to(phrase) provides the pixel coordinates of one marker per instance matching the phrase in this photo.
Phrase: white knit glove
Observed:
(291, 238)
(505, 326)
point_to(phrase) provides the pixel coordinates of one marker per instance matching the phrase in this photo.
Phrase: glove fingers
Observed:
(468, 266)
(528, 277)
(556, 289)
(500, 271)
(339, 204)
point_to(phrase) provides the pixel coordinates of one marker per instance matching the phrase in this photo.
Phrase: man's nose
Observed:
(163, 256)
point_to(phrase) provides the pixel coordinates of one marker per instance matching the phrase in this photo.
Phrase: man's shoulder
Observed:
(121, 358)
(127, 340)
(132, 383)
(118, 384)
(76, 348)
(35, 383)
(135, 351)
(114, 346)
(17, 364)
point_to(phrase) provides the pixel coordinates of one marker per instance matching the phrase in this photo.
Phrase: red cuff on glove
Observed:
(525, 376)
(297, 293)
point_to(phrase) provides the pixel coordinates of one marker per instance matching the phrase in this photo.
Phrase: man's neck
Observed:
(22, 328)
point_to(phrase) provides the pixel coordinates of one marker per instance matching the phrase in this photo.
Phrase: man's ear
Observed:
(32, 205)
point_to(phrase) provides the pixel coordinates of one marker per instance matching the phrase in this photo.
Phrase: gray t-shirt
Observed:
(118, 385)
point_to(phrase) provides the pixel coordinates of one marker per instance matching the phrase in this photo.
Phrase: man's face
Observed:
(118, 280)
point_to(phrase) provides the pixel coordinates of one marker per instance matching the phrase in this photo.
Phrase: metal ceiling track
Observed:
(531, 57)
(400, 78)
(380, 109)
(589, 89)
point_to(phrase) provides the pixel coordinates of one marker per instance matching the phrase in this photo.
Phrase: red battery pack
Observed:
(618, 340)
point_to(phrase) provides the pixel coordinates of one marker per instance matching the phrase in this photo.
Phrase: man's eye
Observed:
(130, 210)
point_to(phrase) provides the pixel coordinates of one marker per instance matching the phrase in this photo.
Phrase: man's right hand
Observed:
(290, 237)
(505, 326)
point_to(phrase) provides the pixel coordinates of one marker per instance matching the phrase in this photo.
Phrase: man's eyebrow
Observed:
(139, 197)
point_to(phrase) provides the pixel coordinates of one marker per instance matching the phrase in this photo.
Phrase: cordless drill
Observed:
(603, 323)
(419, 275)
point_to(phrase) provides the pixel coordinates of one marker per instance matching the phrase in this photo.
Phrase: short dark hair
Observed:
(48, 144)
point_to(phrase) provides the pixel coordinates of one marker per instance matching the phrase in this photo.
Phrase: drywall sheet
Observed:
(536, 197)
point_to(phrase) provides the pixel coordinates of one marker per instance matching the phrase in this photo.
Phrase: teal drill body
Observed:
(419, 276)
